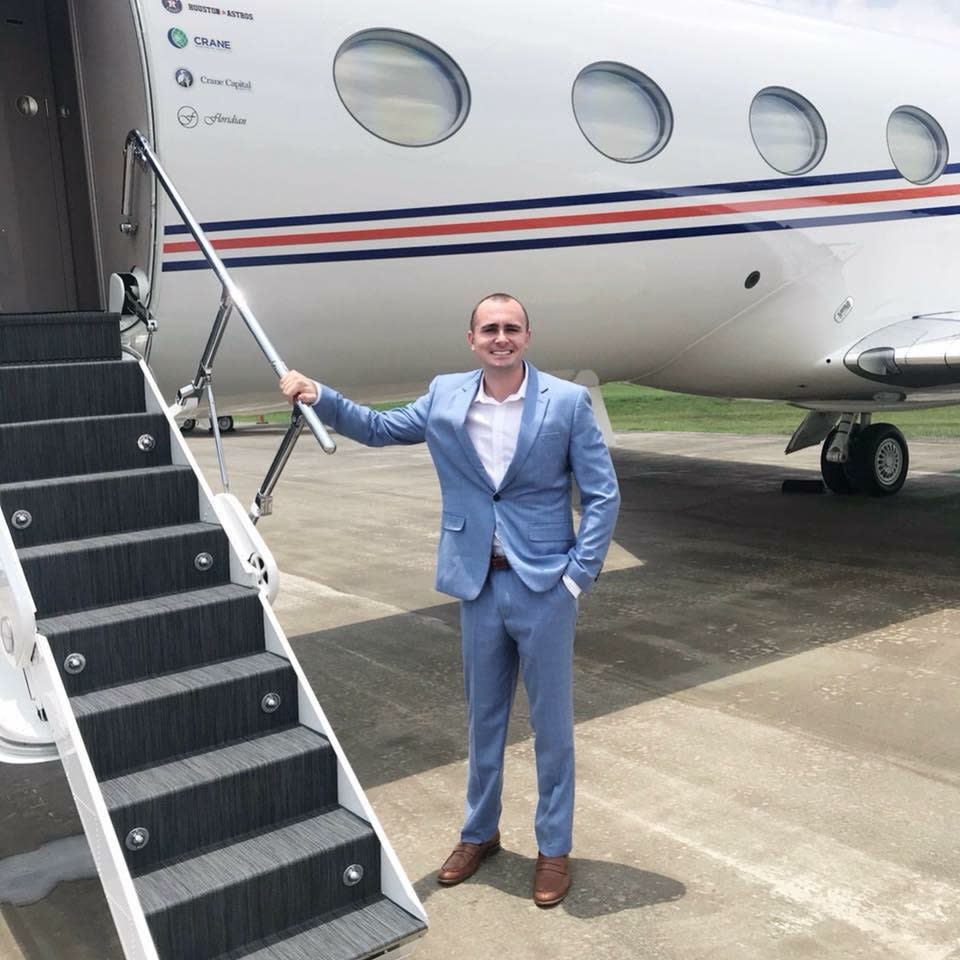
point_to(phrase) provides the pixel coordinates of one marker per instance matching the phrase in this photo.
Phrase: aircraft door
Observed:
(36, 262)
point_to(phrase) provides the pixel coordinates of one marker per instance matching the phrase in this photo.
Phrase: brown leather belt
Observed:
(499, 562)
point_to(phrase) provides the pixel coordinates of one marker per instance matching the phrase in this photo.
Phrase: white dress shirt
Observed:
(493, 427)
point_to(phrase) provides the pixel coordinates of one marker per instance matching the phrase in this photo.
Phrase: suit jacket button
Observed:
(496, 496)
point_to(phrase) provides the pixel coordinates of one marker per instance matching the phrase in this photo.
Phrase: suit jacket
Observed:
(531, 509)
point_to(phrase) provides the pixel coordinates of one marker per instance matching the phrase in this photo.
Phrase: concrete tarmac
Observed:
(767, 703)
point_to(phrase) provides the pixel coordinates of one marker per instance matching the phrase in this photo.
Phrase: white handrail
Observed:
(18, 622)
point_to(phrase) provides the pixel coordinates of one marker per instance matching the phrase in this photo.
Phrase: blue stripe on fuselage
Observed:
(540, 203)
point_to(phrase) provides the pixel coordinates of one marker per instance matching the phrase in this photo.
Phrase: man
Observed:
(505, 440)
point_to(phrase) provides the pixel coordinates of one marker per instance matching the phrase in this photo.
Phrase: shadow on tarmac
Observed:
(730, 574)
(512, 873)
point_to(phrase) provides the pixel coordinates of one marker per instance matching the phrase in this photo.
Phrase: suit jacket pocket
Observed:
(451, 521)
(560, 532)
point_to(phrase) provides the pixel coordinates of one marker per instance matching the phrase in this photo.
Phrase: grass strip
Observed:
(646, 409)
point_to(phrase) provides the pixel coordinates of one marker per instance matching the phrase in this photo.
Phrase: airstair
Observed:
(224, 819)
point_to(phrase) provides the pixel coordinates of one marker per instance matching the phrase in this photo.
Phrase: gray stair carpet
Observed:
(91, 505)
(225, 898)
(82, 445)
(51, 391)
(343, 935)
(46, 338)
(206, 798)
(145, 638)
(150, 721)
(78, 574)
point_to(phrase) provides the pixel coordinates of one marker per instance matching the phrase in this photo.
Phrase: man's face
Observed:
(499, 336)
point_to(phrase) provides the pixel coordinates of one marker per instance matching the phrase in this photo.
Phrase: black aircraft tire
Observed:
(880, 460)
(188, 426)
(225, 424)
(838, 477)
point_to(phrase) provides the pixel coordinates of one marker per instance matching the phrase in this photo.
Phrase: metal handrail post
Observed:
(143, 149)
(217, 439)
(204, 375)
(262, 505)
(132, 152)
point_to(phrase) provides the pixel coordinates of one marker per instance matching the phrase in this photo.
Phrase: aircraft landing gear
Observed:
(880, 459)
(867, 458)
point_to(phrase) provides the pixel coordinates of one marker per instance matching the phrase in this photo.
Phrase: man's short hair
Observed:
(499, 298)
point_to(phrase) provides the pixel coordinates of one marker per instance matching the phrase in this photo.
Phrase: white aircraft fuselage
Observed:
(362, 257)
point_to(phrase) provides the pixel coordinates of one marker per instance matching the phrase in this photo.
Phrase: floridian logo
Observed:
(177, 37)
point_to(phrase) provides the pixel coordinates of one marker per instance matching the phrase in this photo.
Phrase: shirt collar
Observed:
(483, 397)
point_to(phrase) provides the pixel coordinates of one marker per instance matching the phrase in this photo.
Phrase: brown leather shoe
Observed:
(465, 860)
(551, 881)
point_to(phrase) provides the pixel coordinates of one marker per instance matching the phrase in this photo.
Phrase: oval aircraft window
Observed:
(787, 130)
(917, 144)
(623, 113)
(400, 87)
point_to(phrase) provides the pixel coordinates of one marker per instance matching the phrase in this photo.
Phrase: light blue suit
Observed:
(523, 617)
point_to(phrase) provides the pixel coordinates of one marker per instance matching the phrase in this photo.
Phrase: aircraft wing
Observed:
(923, 351)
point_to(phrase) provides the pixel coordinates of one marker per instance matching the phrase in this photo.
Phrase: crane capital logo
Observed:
(177, 37)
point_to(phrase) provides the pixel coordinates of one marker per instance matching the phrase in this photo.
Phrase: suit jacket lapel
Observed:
(461, 406)
(535, 405)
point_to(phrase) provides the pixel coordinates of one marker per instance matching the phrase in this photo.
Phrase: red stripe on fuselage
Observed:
(570, 220)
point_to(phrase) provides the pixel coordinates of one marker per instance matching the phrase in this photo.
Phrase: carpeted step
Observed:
(80, 574)
(52, 391)
(367, 930)
(93, 505)
(212, 797)
(146, 638)
(221, 900)
(65, 448)
(137, 725)
(51, 337)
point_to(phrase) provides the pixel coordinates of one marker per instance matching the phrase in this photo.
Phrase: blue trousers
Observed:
(509, 629)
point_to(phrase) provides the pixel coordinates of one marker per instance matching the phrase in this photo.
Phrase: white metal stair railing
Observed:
(24, 734)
